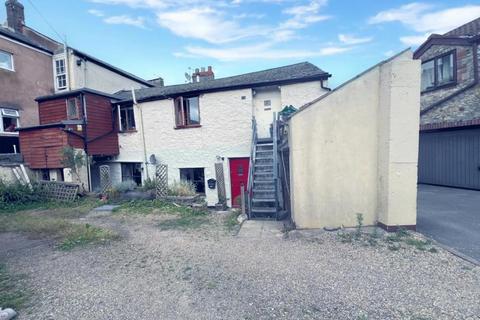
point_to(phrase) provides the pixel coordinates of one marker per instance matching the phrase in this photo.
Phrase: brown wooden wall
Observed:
(42, 148)
(52, 111)
(102, 127)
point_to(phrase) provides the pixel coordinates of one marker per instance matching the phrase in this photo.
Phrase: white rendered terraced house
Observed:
(191, 127)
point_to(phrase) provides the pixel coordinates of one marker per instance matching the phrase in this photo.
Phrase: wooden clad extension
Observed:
(42, 148)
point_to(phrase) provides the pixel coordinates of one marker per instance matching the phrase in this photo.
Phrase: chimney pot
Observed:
(15, 15)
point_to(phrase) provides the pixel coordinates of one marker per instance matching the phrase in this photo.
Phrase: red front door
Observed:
(238, 177)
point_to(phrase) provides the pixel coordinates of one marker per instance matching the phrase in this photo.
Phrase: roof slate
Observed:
(23, 39)
(469, 29)
(299, 72)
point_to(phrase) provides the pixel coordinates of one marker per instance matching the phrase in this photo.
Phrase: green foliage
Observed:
(149, 184)
(82, 235)
(11, 294)
(125, 186)
(358, 232)
(15, 196)
(145, 207)
(182, 188)
(74, 160)
(231, 220)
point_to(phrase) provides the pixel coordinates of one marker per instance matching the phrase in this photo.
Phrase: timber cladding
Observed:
(42, 148)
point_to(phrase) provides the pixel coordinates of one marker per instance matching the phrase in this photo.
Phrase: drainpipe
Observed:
(67, 66)
(143, 132)
(85, 140)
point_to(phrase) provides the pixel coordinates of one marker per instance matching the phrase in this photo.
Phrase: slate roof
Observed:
(23, 39)
(300, 72)
(469, 29)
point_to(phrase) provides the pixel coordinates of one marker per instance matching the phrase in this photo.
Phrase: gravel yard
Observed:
(207, 273)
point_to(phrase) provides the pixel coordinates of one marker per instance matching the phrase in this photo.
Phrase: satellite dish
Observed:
(153, 159)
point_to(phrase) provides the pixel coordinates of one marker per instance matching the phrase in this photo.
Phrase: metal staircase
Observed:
(262, 193)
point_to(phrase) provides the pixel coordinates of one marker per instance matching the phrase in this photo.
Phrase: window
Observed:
(127, 118)
(267, 105)
(6, 60)
(438, 72)
(60, 74)
(187, 112)
(132, 172)
(196, 176)
(9, 120)
(72, 109)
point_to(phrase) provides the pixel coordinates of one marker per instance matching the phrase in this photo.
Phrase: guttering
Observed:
(456, 93)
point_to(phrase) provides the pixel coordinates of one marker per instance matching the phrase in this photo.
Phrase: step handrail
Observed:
(251, 167)
(275, 160)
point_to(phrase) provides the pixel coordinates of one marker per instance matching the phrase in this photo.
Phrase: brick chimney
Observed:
(203, 75)
(15, 15)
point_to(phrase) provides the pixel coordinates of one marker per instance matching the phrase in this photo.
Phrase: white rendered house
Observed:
(191, 127)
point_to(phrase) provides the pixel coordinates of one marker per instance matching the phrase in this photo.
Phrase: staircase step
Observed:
(264, 140)
(263, 190)
(263, 210)
(263, 165)
(264, 158)
(263, 200)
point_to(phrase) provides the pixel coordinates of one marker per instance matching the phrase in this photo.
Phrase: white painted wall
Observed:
(264, 115)
(355, 150)
(225, 131)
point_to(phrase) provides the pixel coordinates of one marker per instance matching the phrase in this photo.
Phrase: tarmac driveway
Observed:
(451, 216)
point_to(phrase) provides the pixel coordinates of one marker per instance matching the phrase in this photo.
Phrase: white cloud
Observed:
(304, 15)
(127, 20)
(388, 53)
(350, 40)
(96, 13)
(422, 18)
(260, 51)
(414, 40)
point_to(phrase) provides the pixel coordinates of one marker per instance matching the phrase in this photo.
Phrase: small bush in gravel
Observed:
(145, 207)
(231, 220)
(182, 188)
(11, 294)
(82, 235)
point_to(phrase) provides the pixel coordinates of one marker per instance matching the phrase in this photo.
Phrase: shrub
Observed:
(125, 186)
(149, 184)
(181, 188)
(16, 194)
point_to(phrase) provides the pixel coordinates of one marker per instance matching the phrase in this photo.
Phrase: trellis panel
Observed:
(161, 180)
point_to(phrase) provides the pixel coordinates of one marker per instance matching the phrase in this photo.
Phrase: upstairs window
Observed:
(187, 112)
(6, 61)
(127, 119)
(438, 72)
(9, 119)
(60, 74)
(72, 109)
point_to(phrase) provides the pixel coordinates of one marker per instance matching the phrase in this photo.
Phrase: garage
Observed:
(450, 158)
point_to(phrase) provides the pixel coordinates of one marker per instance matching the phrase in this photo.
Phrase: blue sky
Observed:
(165, 38)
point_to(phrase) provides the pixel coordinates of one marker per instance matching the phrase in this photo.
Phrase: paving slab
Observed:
(261, 229)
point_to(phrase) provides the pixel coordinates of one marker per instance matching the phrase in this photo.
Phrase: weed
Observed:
(362, 317)
(358, 232)
(145, 207)
(183, 222)
(394, 246)
(182, 188)
(345, 237)
(82, 235)
(419, 244)
(11, 295)
(231, 220)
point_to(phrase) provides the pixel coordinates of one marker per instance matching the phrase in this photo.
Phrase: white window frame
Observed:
(11, 61)
(10, 113)
(57, 75)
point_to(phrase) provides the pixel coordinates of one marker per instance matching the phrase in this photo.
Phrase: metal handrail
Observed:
(275, 160)
(251, 166)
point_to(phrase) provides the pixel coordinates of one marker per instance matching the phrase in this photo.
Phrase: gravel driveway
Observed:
(207, 273)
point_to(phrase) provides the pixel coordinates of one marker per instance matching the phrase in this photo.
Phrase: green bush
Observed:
(182, 188)
(17, 195)
(149, 184)
(125, 186)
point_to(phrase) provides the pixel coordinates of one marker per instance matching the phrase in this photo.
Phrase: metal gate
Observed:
(450, 158)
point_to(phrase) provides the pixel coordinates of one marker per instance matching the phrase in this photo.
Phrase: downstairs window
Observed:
(196, 176)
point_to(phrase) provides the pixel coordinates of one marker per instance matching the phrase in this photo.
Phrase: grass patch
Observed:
(231, 220)
(419, 244)
(81, 235)
(144, 207)
(55, 223)
(11, 295)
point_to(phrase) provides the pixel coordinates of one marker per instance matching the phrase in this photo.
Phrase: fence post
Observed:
(242, 197)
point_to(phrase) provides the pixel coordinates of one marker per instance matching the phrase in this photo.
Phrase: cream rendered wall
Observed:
(263, 116)
(355, 150)
(299, 94)
(225, 132)
(94, 76)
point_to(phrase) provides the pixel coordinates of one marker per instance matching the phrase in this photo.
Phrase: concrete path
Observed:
(450, 216)
(261, 229)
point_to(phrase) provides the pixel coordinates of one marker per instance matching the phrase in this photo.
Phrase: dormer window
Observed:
(187, 112)
(60, 74)
(127, 118)
(439, 72)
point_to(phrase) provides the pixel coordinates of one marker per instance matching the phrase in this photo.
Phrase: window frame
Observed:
(452, 83)
(58, 75)
(198, 183)
(182, 121)
(129, 128)
(12, 61)
(16, 117)
(77, 108)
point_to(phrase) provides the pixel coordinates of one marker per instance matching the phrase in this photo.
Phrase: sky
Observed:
(167, 38)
